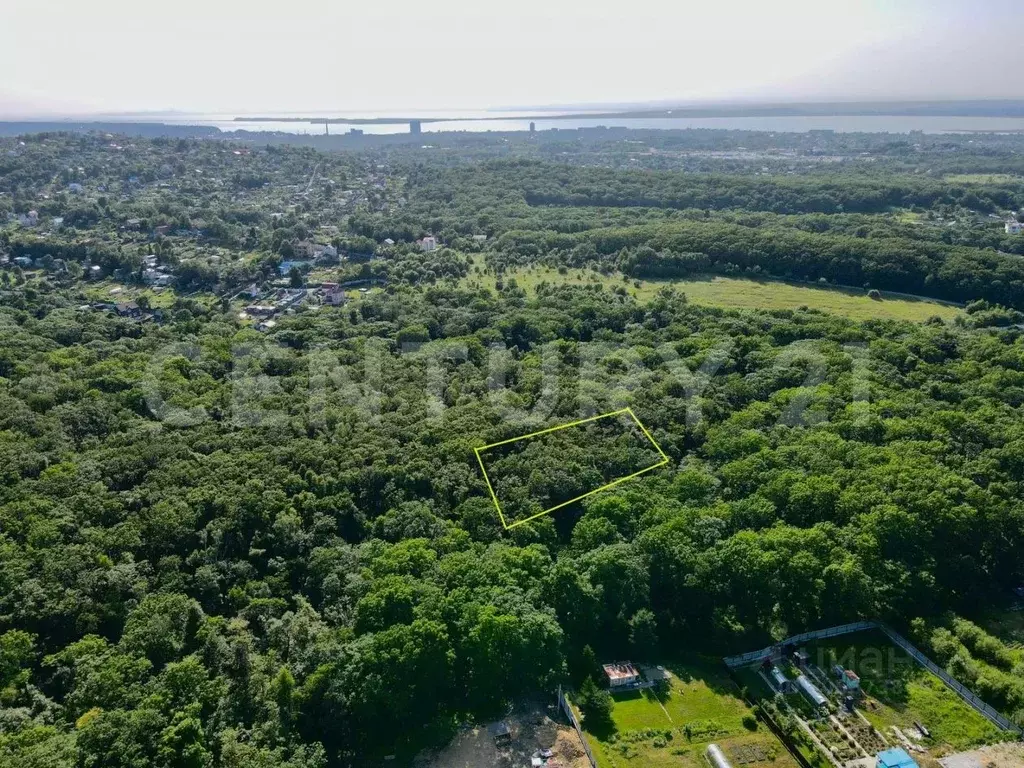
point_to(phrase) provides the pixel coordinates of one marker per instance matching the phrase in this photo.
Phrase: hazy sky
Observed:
(320, 55)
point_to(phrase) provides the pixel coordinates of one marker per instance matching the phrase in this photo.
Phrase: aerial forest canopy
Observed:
(242, 523)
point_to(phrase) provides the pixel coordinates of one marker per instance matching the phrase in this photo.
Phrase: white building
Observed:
(1014, 228)
(621, 673)
(156, 277)
(29, 219)
(428, 243)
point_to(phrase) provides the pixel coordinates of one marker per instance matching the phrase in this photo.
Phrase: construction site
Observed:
(531, 737)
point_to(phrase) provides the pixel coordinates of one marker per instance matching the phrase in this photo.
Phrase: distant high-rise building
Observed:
(533, 127)
(414, 126)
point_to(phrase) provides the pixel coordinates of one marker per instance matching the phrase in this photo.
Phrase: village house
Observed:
(157, 277)
(128, 309)
(333, 294)
(1014, 228)
(428, 243)
(621, 674)
(305, 249)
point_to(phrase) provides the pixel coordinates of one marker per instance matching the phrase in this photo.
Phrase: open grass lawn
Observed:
(903, 692)
(673, 727)
(742, 293)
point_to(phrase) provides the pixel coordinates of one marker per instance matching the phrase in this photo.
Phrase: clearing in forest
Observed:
(742, 293)
(537, 473)
(671, 726)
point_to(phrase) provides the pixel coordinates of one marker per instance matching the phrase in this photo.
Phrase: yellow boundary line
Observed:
(665, 460)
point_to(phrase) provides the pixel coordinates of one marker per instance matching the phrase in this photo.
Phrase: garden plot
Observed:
(898, 694)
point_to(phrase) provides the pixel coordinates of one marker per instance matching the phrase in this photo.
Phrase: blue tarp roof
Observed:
(895, 758)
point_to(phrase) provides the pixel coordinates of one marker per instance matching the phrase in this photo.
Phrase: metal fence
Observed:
(755, 656)
(960, 690)
(563, 703)
(844, 629)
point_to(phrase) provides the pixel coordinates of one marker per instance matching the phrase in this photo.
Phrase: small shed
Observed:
(851, 681)
(895, 758)
(779, 679)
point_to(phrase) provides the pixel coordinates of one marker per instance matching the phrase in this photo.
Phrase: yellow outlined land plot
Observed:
(610, 415)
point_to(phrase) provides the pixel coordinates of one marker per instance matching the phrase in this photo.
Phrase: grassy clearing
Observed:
(107, 291)
(741, 293)
(672, 728)
(901, 692)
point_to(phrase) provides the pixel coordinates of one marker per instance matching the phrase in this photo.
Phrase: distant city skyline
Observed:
(233, 57)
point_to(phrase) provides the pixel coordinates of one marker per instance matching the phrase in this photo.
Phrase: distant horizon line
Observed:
(651, 108)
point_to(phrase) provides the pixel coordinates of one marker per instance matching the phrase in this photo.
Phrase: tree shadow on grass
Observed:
(627, 695)
(600, 728)
(716, 679)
